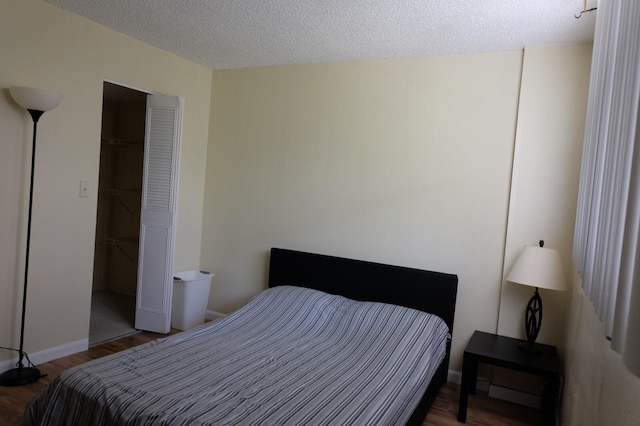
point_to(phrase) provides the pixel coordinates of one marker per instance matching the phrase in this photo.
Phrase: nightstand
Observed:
(504, 352)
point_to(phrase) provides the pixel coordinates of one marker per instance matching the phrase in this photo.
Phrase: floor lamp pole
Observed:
(22, 375)
(36, 101)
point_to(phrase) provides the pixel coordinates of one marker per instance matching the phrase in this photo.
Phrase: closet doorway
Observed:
(136, 213)
(115, 271)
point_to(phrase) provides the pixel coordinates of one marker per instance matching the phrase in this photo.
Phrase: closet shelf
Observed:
(124, 245)
(117, 193)
(122, 142)
(123, 149)
(124, 191)
(123, 240)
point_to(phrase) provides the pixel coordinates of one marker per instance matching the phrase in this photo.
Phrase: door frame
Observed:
(168, 284)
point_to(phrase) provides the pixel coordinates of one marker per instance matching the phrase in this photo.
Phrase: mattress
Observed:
(291, 355)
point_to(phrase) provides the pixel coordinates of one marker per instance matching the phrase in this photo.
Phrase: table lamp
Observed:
(537, 267)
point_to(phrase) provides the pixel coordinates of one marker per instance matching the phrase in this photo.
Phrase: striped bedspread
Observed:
(291, 356)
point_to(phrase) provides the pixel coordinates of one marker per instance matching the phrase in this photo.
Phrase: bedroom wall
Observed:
(544, 187)
(598, 390)
(546, 172)
(403, 161)
(43, 46)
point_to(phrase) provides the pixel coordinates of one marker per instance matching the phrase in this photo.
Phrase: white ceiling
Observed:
(248, 33)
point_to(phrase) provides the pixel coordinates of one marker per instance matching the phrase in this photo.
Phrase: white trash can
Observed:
(190, 298)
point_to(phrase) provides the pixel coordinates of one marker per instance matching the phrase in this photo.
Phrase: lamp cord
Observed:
(585, 11)
(30, 364)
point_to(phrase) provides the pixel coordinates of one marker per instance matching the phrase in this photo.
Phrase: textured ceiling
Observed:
(247, 33)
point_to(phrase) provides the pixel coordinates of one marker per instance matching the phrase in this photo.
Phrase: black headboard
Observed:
(428, 291)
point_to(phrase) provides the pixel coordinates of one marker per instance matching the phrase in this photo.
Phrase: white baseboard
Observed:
(69, 349)
(499, 392)
(454, 377)
(50, 354)
(515, 396)
(213, 315)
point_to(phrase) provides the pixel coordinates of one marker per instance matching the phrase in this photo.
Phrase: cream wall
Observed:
(402, 161)
(598, 390)
(43, 46)
(544, 188)
(546, 169)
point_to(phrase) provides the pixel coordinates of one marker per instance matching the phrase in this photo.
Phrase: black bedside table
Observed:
(504, 352)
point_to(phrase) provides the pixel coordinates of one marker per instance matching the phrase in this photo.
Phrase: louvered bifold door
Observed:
(158, 213)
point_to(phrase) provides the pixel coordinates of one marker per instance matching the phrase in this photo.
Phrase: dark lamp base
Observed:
(530, 348)
(20, 376)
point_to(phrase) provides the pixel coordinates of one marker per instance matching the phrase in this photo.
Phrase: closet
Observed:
(115, 272)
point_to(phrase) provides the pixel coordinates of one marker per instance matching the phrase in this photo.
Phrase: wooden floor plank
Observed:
(482, 411)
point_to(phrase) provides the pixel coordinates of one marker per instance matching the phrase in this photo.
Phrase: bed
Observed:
(330, 341)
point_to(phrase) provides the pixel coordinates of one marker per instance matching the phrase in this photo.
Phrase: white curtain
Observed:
(607, 237)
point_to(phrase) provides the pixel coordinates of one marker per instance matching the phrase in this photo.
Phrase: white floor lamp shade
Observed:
(35, 99)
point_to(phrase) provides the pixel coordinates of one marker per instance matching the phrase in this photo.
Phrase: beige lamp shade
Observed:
(538, 267)
(35, 99)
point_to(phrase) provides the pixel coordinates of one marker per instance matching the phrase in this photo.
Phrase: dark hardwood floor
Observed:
(482, 411)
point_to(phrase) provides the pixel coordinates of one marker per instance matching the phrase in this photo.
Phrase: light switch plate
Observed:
(84, 188)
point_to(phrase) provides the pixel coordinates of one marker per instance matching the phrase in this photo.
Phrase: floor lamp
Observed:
(36, 101)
